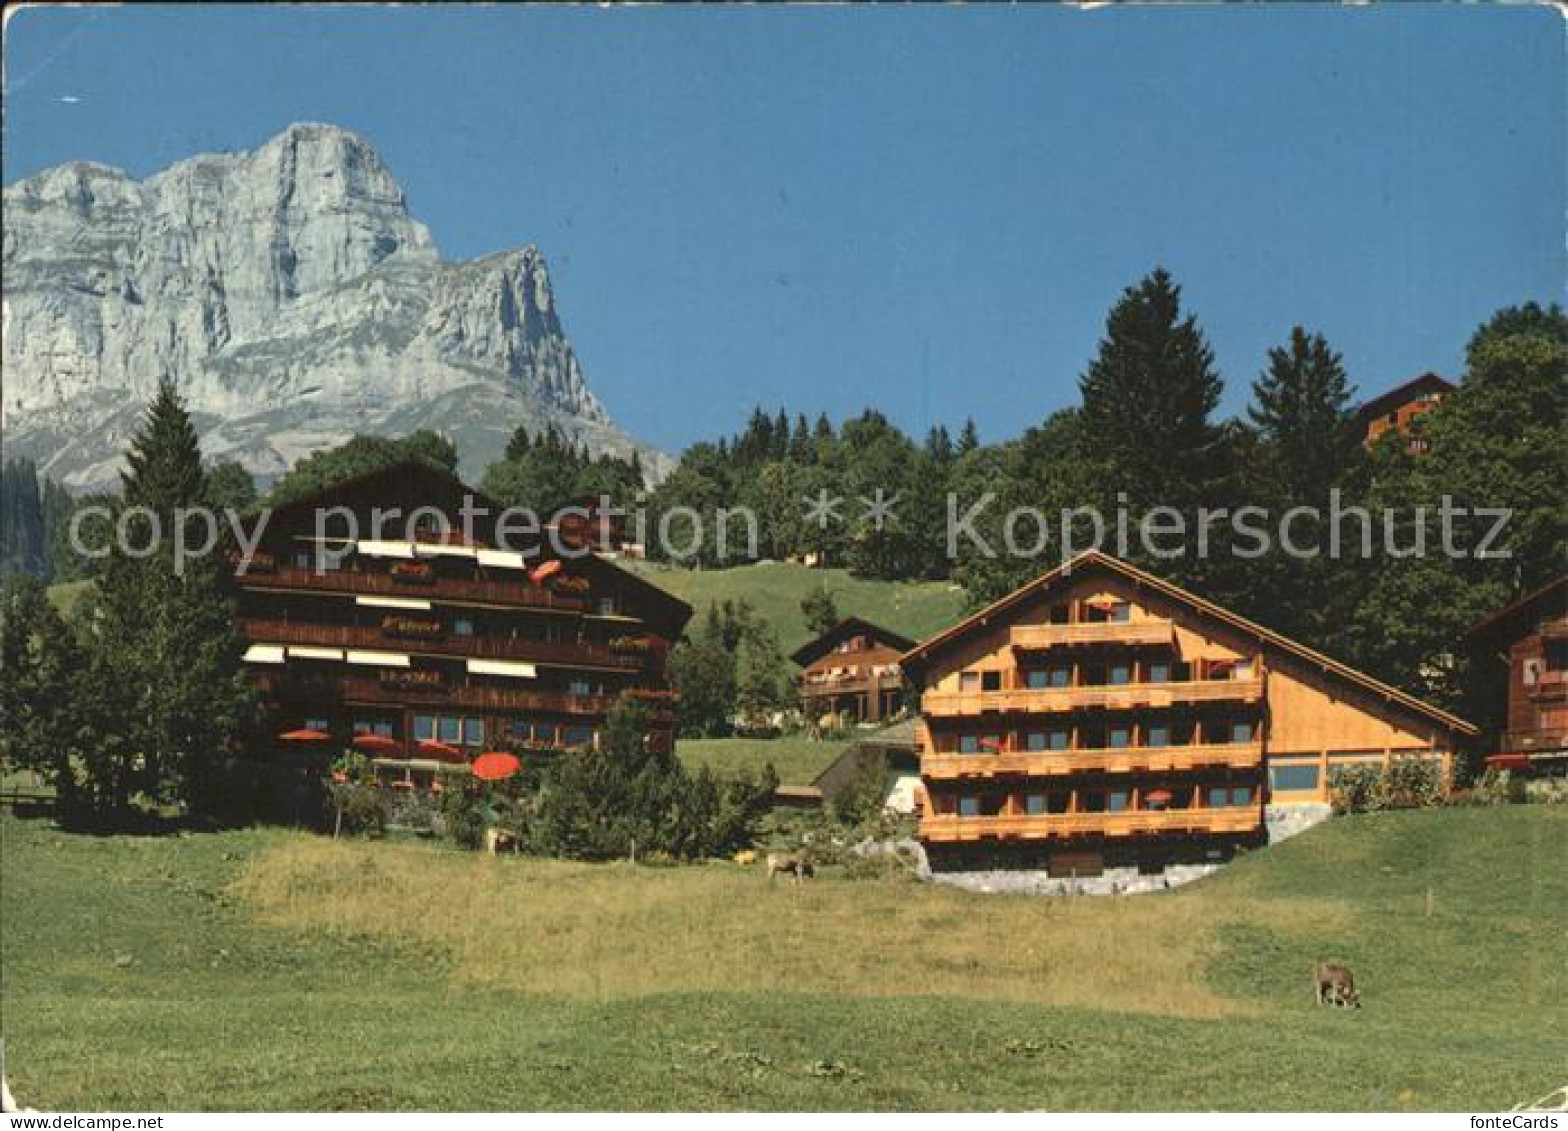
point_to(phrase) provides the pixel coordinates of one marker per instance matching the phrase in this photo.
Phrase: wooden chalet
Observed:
(1102, 715)
(1394, 410)
(426, 647)
(852, 672)
(1530, 639)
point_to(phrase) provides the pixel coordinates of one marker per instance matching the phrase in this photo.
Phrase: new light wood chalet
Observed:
(1101, 715)
(852, 672)
(440, 643)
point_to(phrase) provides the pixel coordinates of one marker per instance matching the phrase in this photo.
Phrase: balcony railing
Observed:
(1114, 697)
(350, 689)
(518, 594)
(946, 828)
(1047, 763)
(564, 654)
(1034, 636)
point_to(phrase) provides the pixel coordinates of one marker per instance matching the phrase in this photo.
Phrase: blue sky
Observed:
(927, 210)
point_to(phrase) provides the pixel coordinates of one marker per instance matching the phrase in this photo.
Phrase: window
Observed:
(1219, 796)
(606, 606)
(968, 806)
(1157, 734)
(579, 687)
(318, 724)
(1061, 676)
(1119, 673)
(462, 626)
(1119, 737)
(1056, 801)
(374, 726)
(424, 728)
(1092, 801)
(449, 730)
(1034, 804)
(1159, 672)
(576, 737)
(545, 734)
(1037, 679)
(1241, 795)
(473, 731)
(1034, 741)
(1121, 612)
(969, 744)
(1092, 675)
(1241, 732)
(1284, 777)
(453, 730)
(990, 681)
(1117, 800)
(1058, 739)
(969, 681)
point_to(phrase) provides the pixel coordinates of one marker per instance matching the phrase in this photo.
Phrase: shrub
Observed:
(360, 807)
(463, 814)
(1405, 783)
(1549, 791)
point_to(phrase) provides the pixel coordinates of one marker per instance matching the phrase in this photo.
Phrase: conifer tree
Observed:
(1301, 410)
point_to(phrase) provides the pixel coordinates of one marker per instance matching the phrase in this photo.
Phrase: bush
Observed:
(360, 807)
(1405, 783)
(1549, 791)
(463, 814)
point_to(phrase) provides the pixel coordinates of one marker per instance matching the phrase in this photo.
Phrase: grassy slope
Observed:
(915, 608)
(279, 970)
(797, 760)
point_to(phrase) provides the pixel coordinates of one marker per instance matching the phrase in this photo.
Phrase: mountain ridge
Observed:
(294, 300)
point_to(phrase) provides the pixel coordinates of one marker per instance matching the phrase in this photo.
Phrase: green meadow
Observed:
(275, 969)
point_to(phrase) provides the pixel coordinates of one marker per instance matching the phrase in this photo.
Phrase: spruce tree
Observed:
(1147, 397)
(166, 666)
(1302, 411)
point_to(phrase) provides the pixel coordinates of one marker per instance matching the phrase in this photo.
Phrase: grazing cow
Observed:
(795, 866)
(1335, 985)
(497, 840)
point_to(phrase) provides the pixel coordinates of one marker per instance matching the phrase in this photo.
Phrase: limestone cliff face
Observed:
(293, 300)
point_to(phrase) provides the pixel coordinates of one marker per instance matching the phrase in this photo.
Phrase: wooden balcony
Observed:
(1117, 697)
(1031, 637)
(519, 594)
(948, 829)
(1051, 763)
(360, 690)
(573, 654)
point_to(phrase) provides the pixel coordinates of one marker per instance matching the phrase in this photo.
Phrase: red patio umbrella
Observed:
(440, 751)
(496, 765)
(305, 735)
(1158, 796)
(546, 571)
(376, 743)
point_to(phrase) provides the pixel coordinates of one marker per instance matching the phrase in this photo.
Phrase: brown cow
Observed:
(793, 865)
(1335, 985)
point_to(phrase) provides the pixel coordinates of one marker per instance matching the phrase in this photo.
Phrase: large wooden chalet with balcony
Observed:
(424, 647)
(1529, 641)
(1101, 716)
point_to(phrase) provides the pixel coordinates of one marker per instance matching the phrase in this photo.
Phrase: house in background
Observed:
(851, 672)
(893, 751)
(1530, 639)
(1395, 409)
(1103, 717)
(426, 646)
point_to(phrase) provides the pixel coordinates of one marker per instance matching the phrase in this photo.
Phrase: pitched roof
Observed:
(1095, 559)
(849, 626)
(1402, 393)
(1525, 606)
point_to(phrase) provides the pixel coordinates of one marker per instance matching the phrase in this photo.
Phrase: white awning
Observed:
(377, 549)
(503, 667)
(379, 659)
(441, 549)
(264, 654)
(310, 652)
(393, 602)
(505, 559)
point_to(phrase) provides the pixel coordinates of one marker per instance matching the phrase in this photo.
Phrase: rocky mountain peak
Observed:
(292, 297)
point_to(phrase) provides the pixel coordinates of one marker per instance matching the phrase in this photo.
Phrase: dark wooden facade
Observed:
(429, 633)
(851, 672)
(1530, 640)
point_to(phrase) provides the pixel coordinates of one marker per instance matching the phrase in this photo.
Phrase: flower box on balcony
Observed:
(416, 573)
